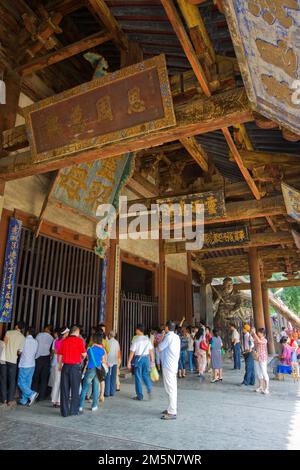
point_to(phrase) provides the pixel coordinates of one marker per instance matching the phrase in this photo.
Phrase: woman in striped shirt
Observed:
(260, 346)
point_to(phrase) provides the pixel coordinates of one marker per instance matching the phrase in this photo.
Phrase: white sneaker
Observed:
(266, 392)
(81, 409)
(259, 390)
(33, 398)
(94, 408)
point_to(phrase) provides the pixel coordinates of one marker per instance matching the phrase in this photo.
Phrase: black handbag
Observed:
(101, 371)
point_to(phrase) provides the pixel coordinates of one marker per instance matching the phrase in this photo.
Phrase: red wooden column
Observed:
(162, 282)
(256, 289)
(268, 321)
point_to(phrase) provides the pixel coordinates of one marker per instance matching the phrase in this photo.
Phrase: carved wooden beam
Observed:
(186, 44)
(236, 155)
(102, 11)
(196, 151)
(193, 117)
(199, 72)
(243, 136)
(45, 33)
(65, 7)
(141, 186)
(194, 19)
(257, 239)
(235, 211)
(252, 158)
(264, 253)
(271, 284)
(64, 53)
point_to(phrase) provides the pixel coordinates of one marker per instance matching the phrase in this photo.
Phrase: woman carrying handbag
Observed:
(94, 371)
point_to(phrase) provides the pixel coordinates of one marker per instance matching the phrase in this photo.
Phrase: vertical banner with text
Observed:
(10, 270)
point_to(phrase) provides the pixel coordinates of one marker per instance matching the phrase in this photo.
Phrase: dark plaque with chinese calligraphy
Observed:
(215, 238)
(213, 201)
(129, 102)
(226, 236)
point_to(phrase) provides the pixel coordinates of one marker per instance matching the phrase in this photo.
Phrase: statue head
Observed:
(228, 285)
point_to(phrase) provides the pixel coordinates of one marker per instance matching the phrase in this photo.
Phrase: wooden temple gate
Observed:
(135, 308)
(57, 284)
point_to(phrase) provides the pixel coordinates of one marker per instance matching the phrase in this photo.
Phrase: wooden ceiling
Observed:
(41, 54)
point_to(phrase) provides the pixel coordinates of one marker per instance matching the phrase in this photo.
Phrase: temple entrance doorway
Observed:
(138, 304)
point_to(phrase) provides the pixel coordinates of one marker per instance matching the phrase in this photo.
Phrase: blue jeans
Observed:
(24, 383)
(90, 378)
(190, 358)
(182, 360)
(110, 381)
(141, 373)
(237, 356)
(249, 378)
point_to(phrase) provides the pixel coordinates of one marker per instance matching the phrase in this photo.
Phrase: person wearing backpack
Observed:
(94, 373)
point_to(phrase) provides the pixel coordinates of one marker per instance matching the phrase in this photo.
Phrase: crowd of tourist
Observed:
(74, 370)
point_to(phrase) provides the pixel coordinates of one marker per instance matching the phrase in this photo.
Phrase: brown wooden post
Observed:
(2, 187)
(162, 280)
(268, 321)
(130, 55)
(110, 280)
(189, 296)
(256, 290)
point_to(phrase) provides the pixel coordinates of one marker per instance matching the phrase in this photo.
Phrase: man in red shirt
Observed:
(70, 356)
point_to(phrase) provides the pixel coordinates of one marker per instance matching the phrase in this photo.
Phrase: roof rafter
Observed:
(64, 53)
(102, 11)
(199, 72)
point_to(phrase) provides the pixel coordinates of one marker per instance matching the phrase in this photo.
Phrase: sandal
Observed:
(168, 417)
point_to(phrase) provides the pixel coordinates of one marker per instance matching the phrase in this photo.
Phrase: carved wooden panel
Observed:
(292, 201)
(132, 101)
(266, 37)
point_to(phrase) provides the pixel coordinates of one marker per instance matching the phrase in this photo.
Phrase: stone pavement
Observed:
(211, 416)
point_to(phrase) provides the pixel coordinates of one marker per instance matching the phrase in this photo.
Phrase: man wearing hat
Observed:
(249, 378)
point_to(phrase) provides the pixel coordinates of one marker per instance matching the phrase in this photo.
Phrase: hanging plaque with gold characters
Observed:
(291, 198)
(265, 34)
(132, 101)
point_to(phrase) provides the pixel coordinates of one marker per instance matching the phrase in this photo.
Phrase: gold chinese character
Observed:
(52, 126)
(211, 205)
(136, 104)
(99, 192)
(272, 10)
(108, 169)
(104, 111)
(73, 181)
(77, 122)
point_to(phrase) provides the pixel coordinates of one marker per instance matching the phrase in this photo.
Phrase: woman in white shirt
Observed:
(55, 371)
